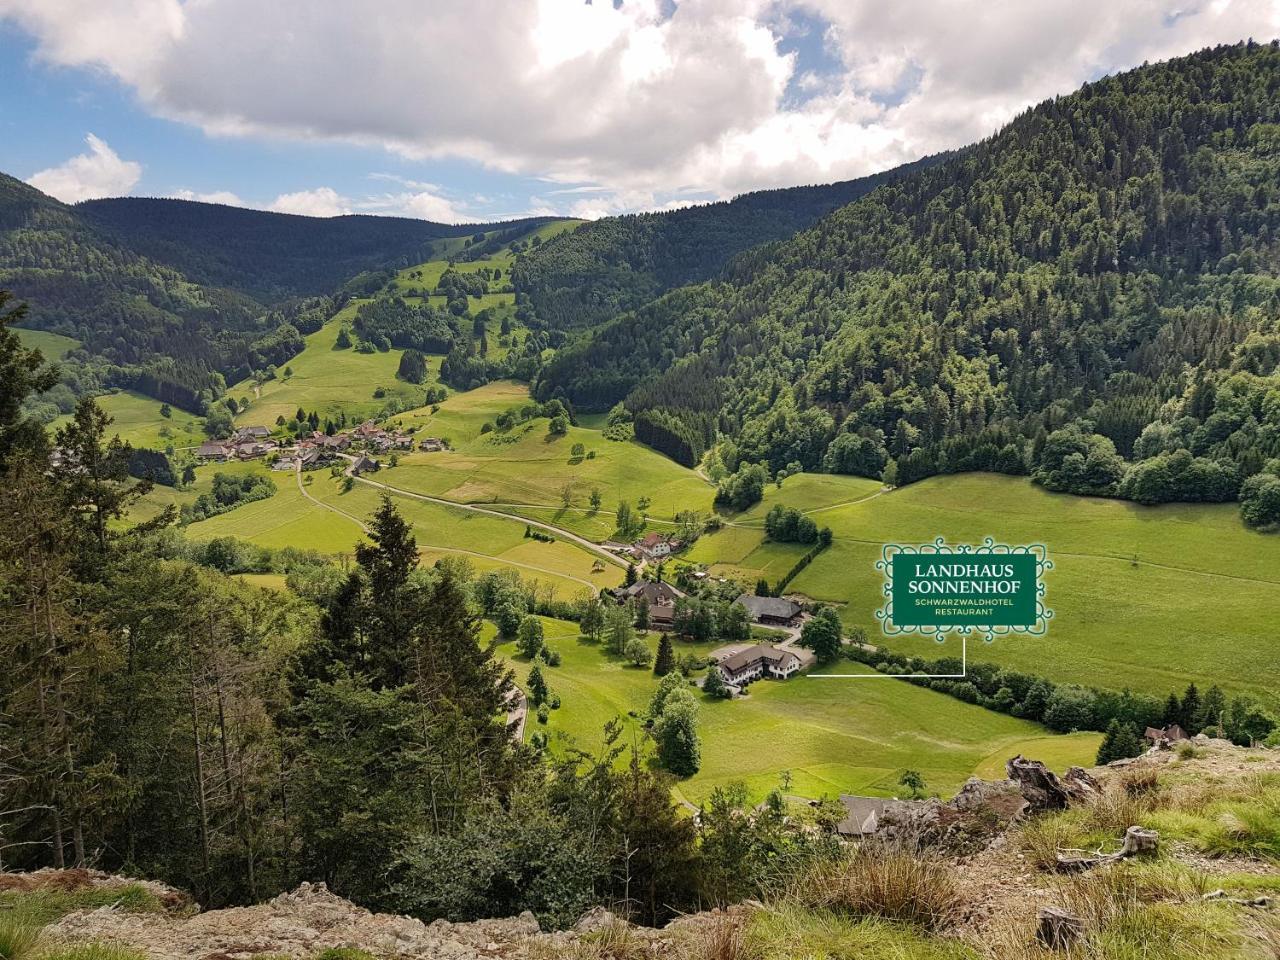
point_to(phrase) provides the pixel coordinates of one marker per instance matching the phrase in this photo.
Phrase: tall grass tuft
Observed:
(17, 937)
(93, 950)
(722, 938)
(886, 881)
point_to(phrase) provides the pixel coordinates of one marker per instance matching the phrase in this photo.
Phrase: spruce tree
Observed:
(665, 661)
(1189, 709)
(1120, 741)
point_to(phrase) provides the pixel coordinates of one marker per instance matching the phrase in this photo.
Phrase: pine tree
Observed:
(630, 578)
(1211, 711)
(1189, 709)
(1120, 741)
(665, 662)
(536, 686)
(1172, 711)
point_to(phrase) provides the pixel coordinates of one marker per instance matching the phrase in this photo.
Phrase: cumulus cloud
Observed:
(225, 197)
(643, 98)
(321, 202)
(87, 176)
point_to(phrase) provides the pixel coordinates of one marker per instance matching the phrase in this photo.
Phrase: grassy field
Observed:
(54, 346)
(1145, 597)
(832, 736)
(329, 381)
(291, 519)
(529, 471)
(138, 420)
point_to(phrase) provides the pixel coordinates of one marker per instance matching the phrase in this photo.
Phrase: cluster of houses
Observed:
(245, 444)
(738, 664)
(316, 448)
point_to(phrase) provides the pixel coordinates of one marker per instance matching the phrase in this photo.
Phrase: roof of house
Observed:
(763, 651)
(860, 813)
(663, 612)
(254, 432)
(212, 448)
(779, 607)
(1171, 732)
(653, 592)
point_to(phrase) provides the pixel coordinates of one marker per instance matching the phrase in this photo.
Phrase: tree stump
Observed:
(1139, 840)
(1039, 785)
(1057, 929)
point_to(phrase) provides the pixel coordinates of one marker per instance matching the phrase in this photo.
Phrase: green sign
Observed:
(942, 590)
(936, 588)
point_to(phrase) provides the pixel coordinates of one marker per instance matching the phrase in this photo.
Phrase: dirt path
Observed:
(458, 550)
(564, 534)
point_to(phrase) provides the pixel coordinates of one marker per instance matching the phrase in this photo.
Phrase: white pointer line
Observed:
(964, 670)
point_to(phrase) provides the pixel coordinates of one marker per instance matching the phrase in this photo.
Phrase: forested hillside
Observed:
(177, 299)
(145, 324)
(1098, 281)
(271, 256)
(616, 264)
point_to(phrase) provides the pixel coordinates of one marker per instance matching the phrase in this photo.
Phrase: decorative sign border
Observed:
(988, 547)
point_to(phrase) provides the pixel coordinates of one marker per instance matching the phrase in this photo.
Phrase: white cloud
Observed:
(321, 202)
(87, 176)
(643, 102)
(214, 196)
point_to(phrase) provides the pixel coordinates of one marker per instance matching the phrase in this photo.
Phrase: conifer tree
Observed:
(665, 661)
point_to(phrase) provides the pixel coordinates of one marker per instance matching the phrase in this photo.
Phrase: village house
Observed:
(254, 448)
(656, 546)
(431, 444)
(248, 434)
(364, 464)
(777, 611)
(216, 450)
(1170, 734)
(756, 662)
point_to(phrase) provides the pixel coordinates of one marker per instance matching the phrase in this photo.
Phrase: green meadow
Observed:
(530, 472)
(1144, 597)
(830, 735)
(54, 346)
(329, 381)
(138, 421)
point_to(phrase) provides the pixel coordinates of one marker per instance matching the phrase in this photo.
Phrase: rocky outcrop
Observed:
(300, 923)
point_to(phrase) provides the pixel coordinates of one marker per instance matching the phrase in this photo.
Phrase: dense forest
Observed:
(588, 276)
(271, 256)
(1090, 296)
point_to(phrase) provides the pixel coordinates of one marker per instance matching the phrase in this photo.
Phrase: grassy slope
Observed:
(832, 735)
(329, 381)
(54, 346)
(1200, 602)
(138, 420)
(535, 468)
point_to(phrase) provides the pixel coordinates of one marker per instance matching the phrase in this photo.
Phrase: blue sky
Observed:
(478, 109)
